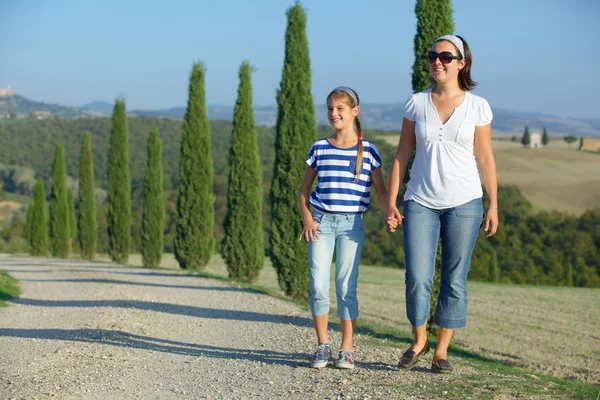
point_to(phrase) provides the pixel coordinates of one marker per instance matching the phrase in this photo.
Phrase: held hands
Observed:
(393, 219)
(309, 232)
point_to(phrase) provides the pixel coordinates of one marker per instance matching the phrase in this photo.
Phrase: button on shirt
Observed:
(444, 173)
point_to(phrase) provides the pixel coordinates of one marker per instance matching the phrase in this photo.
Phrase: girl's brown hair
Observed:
(349, 101)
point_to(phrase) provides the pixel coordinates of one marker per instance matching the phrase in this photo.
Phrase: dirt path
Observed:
(82, 330)
(100, 331)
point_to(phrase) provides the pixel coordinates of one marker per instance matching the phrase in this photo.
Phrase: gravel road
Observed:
(89, 330)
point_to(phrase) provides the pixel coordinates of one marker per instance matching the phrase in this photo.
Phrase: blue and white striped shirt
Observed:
(337, 189)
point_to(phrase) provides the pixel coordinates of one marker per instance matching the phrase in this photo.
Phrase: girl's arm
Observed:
(309, 231)
(487, 165)
(399, 165)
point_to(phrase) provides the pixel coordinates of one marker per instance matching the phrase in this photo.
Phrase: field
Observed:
(550, 330)
(7, 208)
(552, 178)
(13, 203)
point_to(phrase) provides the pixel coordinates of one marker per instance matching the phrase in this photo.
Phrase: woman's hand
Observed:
(393, 218)
(309, 232)
(491, 222)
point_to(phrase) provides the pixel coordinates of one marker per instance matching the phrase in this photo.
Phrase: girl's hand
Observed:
(491, 222)
(394, 218)
(309, 232)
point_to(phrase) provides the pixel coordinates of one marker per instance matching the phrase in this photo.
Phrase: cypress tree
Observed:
(119, 187)
(153, 217)
(545, 137)
(569, 277)
(194, 235)
(434, 19)
(60, 234)
(295, 131)
(87, 222)
(30, 209)
(72, 217)
(494, 270)
(435, 289)
(39, 223)
(526, 139)
(242, 247)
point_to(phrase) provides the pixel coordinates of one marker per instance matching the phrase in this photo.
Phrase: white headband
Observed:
(455, 41)
(347, 90)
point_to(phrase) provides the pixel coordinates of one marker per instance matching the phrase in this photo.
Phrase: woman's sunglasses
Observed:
(445, 57)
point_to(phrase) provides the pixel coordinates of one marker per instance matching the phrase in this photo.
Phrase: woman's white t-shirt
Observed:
(444, 173)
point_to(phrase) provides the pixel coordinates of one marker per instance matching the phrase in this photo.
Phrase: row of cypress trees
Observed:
(57, 233)
(242, 247)
(53, 233)
(63, 222)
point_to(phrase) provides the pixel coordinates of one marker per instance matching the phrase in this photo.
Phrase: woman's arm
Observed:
(399, 165)
(487, 165)
(309, 231)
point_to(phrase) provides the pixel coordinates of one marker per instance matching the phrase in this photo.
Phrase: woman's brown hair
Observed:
(464, 75)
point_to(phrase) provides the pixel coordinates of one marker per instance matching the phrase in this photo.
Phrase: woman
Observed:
(450, 128)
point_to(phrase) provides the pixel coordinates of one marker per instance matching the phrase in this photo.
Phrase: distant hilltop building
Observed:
(535, 140)
(41, 115)
(590, 144)
(6, 92)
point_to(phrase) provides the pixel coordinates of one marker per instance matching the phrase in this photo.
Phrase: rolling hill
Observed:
(375, 116)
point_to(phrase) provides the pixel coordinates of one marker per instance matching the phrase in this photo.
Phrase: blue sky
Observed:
(529, 55)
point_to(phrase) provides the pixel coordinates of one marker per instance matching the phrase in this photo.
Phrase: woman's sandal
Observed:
(409, 358)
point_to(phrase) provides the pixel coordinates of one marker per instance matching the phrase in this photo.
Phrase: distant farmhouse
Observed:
(535, 140)
(41, 115)
(6, 92)
(590, 144)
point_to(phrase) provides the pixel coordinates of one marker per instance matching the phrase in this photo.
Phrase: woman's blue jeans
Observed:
(458, 228)
(345, 234)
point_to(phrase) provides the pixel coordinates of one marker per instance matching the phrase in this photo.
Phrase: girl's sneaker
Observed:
(321, 357)
(345, 359)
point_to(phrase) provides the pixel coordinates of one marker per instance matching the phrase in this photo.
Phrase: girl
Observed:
(445, 124)
(346, 166)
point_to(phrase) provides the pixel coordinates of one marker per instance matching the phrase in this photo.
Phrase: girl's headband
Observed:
(455, 41)
(347, 90)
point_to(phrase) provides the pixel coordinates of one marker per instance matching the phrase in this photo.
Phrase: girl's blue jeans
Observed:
(345, 234)
(458, 228)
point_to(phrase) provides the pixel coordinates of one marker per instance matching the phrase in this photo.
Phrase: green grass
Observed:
(9, 288)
